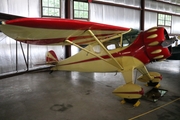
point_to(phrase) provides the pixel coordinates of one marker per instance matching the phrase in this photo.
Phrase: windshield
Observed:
(127, 39)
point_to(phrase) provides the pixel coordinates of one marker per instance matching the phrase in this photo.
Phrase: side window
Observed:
(51, 8)
(97, 49)
(165, 21)
(81, 9)
(112, 44)
(111, 47)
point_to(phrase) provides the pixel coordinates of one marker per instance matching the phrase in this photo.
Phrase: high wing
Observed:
(54, 31)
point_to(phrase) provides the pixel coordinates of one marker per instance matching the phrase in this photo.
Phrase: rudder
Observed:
(51, 57)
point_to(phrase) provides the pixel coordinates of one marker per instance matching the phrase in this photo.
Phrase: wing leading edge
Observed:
(50, 31)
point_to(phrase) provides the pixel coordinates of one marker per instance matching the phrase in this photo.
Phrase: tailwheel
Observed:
(135, 102)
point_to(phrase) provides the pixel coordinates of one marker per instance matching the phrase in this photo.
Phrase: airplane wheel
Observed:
(50, 71)
(135, 102)
(153, 84)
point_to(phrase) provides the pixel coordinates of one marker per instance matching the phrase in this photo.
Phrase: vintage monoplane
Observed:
(108, 48)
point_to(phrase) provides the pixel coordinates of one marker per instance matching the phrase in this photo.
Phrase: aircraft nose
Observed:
(155, 40)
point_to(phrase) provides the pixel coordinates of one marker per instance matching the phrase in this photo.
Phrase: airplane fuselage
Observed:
(146, 48)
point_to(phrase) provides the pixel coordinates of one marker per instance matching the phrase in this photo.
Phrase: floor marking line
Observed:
(154, 109)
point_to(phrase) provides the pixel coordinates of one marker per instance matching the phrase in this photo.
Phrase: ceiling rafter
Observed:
(4, 16)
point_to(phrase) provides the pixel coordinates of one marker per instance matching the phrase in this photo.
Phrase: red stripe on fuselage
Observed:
(87, 60)
(115, 55)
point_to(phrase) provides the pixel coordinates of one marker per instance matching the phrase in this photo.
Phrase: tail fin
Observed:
(51, 57)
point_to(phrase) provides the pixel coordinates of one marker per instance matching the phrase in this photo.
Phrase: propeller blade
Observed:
(178, 38)
(169, 42)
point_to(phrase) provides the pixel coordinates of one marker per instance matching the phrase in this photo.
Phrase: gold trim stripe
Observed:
(152, 36)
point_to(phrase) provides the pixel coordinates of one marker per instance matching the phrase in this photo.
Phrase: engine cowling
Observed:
(153, 39)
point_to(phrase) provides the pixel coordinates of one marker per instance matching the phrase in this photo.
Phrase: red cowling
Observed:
(147, 46)
(153, 39)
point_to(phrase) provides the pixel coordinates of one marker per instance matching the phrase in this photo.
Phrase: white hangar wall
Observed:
(13, 58)
(153, 8)
(115, 15)
(26, 8)
(175, 25)
(150, 20)
(127, 17)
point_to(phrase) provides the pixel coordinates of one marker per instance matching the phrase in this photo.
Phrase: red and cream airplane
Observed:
(107, 48)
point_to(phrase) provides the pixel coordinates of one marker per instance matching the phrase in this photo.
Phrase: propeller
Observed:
(170, 41)
(176, 44)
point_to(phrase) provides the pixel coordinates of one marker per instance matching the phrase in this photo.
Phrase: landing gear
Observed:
(131, 93)
(135, 102)
(153, 82)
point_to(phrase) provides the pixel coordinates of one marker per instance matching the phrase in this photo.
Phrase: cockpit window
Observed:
(129, 37)
(126, 40)
(112, 44)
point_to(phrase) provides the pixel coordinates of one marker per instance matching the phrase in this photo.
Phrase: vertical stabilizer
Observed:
(51, 57)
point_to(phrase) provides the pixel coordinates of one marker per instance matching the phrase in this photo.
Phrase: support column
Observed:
(67, 16)
(142, 14)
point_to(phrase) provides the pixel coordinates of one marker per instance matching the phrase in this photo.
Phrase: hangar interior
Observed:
(29, 92)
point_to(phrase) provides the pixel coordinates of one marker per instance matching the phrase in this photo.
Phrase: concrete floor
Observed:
(85, 96)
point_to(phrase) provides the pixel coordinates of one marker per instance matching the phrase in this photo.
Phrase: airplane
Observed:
(107, 48)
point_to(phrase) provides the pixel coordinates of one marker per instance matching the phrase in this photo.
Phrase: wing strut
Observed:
(92, 34)
(87, 51)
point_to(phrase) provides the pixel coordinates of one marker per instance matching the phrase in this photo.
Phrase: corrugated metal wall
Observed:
(115, 15)
(175, 25)
(151, 17)
(128, 17)
(150, 20)
(26, 8)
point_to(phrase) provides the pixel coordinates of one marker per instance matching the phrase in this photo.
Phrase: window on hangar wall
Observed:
(165, 21)
(81, 9)
(51, 8)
